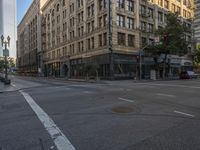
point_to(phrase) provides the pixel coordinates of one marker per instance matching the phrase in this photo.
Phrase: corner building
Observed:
(74, 34)
(197, 21)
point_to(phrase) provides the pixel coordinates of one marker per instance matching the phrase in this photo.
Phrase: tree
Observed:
(11, 62)
(1, 64)
(197, 56)
(172, 39)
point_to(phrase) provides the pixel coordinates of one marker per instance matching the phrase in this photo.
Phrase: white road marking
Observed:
(60, 140)
(80, 85)
(166, 95)
(13, 85)
(88, 92)
(182, 113)
(127, 100)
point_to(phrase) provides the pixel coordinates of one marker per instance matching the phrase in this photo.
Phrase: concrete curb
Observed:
(64, 79)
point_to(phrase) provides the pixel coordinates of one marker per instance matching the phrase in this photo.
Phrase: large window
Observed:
(166, 4)
(131, 40)
(102, 4)
(100, 40)
(122, 39)
(130, 23)
(130, 5)
(121, 20)
(160, 17)
(143, 25)
(150, 12)
(121, 3)
(142, 9)
(150, 28)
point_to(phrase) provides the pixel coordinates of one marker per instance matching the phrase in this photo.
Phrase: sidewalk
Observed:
(62, 79)
(6, 88)
(1, 86)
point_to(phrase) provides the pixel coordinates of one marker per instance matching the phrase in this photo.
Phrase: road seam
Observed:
(60, 140)
(183, 113)
(170, 85)
(127, 100)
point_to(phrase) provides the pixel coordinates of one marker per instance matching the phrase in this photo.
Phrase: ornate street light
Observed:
(6, 55)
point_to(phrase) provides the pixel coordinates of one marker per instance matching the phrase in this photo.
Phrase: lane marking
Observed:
(127, 100)
(88, 92)
(13, 85)
(60, 140)
(166, 95)
(182, 113)
(170, 85)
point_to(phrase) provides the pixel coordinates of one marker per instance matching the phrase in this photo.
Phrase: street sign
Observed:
(5, 52)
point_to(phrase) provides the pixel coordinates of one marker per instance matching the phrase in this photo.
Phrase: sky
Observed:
(22, 7)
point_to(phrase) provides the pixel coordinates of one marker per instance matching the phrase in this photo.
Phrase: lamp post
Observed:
(110, 47)
(6, 43)
(141, 51)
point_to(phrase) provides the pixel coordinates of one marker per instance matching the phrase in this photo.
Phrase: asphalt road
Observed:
(38, 114)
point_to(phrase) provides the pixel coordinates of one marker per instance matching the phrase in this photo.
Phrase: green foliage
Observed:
(1, 63)
(11, 63)
(197, 57)
(175, 43)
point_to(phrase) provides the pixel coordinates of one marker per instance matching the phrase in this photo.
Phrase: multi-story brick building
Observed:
(29, 52)
(197, 21)
(75, 34)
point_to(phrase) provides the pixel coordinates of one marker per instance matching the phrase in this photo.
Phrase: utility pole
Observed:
(165, 40)
(140, 63)
(6, 54)
(110, 39)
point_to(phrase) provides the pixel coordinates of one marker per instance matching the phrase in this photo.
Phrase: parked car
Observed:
(188, 75)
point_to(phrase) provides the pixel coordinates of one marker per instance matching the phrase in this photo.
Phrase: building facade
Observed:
(1, 24)
(29, 51)
(197, 21)
(8, 26)
(75, 39)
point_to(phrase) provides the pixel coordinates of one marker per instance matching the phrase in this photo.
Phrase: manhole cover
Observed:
(122, 109)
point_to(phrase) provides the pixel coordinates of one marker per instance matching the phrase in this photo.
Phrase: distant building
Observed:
(197, 21)
(74, 34)
(29, 52)
(8, 23)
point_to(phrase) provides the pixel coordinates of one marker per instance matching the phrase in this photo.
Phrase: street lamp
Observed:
(141, 51)
(6, 54)
(110, 47)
